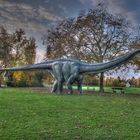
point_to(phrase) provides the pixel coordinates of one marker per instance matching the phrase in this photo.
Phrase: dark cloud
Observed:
(39, 15)
(128, 8)
(132, 7)
(36, 16)
(17, 15)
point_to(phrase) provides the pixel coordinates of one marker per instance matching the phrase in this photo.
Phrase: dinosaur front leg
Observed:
(69, 86)
(79, 85)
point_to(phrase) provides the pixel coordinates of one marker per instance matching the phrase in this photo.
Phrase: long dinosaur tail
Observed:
(30, 67)
(102, 67)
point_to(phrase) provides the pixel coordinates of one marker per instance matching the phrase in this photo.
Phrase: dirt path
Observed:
(75, 92)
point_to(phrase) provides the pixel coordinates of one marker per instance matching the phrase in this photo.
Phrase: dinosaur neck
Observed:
(102, 67)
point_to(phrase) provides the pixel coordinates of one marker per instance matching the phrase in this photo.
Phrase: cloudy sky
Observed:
(36, 16)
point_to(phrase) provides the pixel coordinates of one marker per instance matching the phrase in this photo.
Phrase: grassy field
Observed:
(27, 115)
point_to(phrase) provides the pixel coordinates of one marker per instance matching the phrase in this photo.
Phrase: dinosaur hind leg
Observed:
(57, 70)
(54, 88)
(70, 81)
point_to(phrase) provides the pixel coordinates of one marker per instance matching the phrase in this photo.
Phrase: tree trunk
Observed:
(102, 82)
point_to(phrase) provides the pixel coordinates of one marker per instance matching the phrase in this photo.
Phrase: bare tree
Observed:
(136, 61)
(107, 35)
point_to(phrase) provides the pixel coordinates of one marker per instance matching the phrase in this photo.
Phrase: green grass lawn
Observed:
(27, 115)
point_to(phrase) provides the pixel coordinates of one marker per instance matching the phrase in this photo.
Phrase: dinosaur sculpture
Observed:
(70, 70)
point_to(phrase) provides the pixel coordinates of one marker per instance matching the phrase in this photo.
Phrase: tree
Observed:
(30, 51)
(5, 47)
(14, 47)
(95, 36)
(16, 50)
(136, 45)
